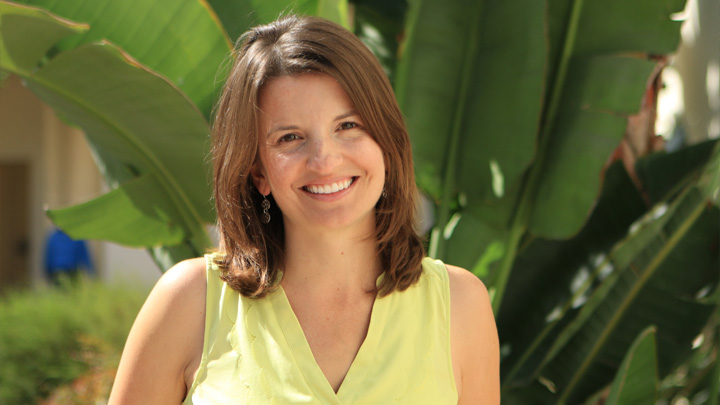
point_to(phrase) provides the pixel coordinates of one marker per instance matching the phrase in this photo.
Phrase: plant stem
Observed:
(513, 240)
(448, 191)
(521, 220)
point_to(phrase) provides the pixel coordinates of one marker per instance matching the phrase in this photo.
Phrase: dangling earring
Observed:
(265, 214)
(384, 194)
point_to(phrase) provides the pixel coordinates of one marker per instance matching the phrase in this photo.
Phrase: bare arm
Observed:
(474, 339)
(163, 349)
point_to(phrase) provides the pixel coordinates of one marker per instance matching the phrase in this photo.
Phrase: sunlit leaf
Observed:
(179, 39)
(18, 22)
(135, 214)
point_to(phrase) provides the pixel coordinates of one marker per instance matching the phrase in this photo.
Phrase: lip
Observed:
(331, 195)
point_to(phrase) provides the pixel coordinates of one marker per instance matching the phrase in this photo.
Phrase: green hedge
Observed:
(50, 337)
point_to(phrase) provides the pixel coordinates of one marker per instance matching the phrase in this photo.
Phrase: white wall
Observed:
(124, 265)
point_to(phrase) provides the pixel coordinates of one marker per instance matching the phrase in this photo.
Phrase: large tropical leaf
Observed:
(17, 23)
(525, 85)
(237, 16)
(179, 39)
(650, 284)
(137, 123)
(379, 24)
(597, 55)
(557, 286)
(548, 278)
(146, 217)
(466, 115)
(547, 275)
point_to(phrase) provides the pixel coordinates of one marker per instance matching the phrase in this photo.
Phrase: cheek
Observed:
(376, 156)
(278, 169)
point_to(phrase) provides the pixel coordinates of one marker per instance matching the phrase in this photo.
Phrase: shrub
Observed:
(50, 337)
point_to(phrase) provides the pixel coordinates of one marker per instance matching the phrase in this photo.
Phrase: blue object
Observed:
(65, 255)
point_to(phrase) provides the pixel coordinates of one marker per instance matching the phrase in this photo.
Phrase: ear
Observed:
(259, 179)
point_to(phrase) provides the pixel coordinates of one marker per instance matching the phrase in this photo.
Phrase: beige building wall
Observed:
(60, 172)
(21, 140)
(698, 62)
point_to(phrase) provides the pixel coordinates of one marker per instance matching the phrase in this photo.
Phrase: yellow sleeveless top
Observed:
(255, 352)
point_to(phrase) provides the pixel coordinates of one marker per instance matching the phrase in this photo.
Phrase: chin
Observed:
(340, 222)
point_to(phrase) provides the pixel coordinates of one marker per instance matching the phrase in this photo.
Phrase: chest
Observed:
(335, 331)
(393, 350)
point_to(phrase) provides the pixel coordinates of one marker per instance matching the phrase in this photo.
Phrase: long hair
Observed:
(253, 252)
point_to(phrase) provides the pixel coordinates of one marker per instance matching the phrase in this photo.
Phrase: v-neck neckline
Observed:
(305, 359)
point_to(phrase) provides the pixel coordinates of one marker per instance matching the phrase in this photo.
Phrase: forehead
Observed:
(306, 94)
(308, 83)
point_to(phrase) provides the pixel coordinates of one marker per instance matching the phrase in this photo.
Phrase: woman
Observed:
(319, 291)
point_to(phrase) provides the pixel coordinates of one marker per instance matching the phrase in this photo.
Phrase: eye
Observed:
(288, 138)
(348, 125)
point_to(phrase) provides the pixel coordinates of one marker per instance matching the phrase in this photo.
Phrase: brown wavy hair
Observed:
(252, 252)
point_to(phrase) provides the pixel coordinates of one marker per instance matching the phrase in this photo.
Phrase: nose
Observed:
(325, 154)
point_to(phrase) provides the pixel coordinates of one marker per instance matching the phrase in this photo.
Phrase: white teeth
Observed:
(330, 188)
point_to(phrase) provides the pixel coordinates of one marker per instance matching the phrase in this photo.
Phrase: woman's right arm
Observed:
(164, 347)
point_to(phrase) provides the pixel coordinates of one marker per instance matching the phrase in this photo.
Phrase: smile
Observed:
(329, 188)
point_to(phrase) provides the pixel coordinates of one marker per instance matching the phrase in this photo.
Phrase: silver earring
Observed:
(265, 214)
(384, 194)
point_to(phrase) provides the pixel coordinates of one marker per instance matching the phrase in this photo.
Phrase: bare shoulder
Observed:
(166, 339)
(465, 286)
(474, 340)
(469, 301)
(184, 278)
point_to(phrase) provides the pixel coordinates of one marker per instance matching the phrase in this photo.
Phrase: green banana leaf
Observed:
(140, 79)
(178, 39)
(636, 380)
(379, 24)
(238, 16)
(548, 274)
(146, 217)
(514, 108)
(650, 284)
(460, 108)
(139, 125)
(558, 287)
(17, 23)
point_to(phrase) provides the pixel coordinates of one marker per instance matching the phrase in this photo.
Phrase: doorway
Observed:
(14, 224)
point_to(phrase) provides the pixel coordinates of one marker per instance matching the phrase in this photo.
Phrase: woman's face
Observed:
(321, 165)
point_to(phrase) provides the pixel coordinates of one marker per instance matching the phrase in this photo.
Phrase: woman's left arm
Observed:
(474, 339)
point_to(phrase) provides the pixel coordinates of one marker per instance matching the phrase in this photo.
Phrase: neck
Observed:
(340, 261)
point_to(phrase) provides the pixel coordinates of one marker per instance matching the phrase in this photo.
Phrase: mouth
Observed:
(330, 188)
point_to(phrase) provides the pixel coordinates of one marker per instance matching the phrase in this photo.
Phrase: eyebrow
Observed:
(293, 127)
(281, 128)
(346, 115)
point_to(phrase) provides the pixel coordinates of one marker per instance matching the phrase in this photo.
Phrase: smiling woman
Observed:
(287, 48)
(324, 169)
(319, 291)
